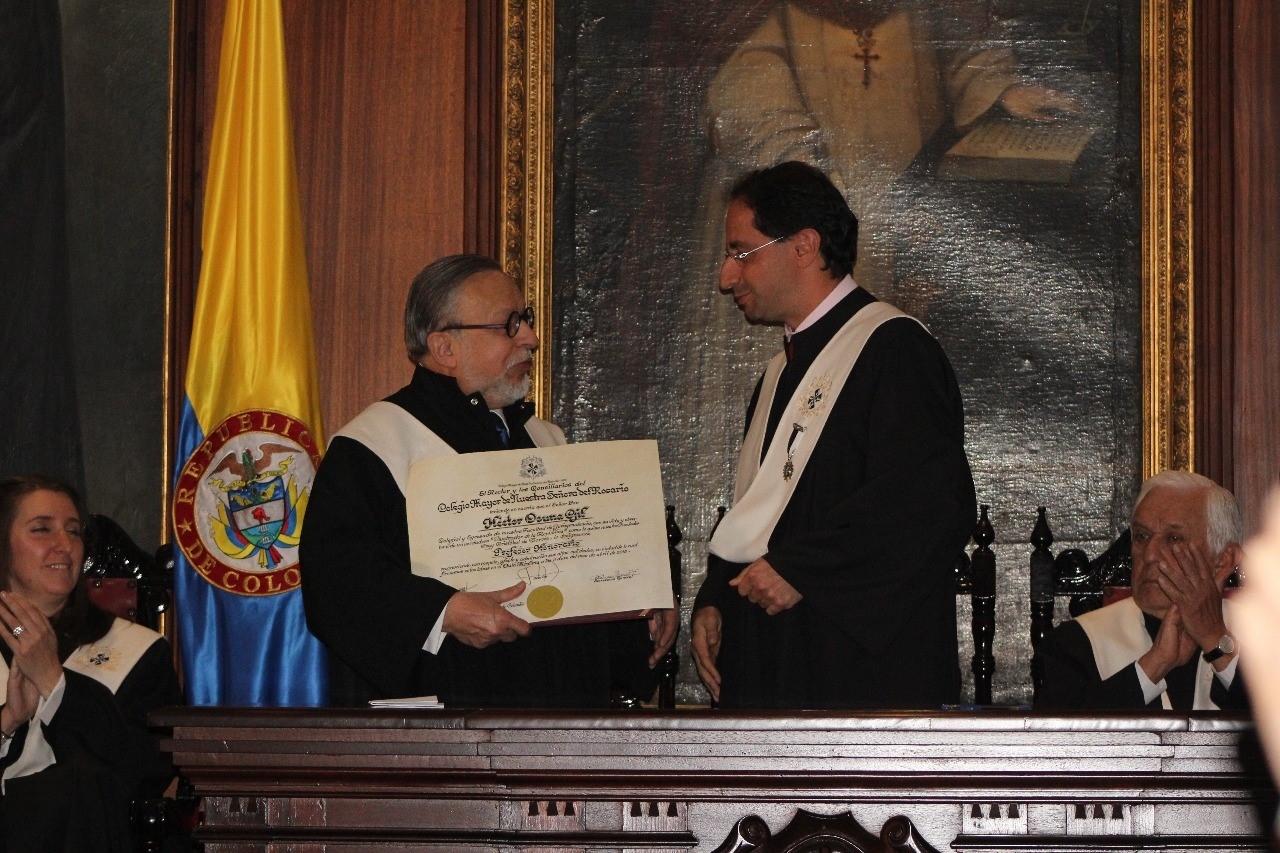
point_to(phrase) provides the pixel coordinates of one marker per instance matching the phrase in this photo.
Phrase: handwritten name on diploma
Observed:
(583, 525)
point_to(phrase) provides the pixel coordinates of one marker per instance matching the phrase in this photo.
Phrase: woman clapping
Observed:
(78, 684)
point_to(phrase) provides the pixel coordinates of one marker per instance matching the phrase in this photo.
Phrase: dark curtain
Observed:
(39, 427)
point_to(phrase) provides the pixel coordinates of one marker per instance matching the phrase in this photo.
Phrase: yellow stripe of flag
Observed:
(251, 343)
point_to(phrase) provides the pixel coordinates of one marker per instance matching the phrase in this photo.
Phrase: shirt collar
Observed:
(843, 289)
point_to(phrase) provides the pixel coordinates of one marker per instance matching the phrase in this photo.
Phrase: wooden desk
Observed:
(516, 781)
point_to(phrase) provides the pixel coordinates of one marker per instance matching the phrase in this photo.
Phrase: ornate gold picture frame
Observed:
(1167, 251)
(1168, 374)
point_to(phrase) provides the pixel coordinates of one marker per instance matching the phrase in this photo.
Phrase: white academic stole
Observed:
(764, 487)
(399, 439)
(1118, 635)
(106, 660)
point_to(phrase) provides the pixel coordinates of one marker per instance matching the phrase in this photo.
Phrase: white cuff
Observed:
(436, 638)
(1150, 690)
(48, 707)
(1228, 673)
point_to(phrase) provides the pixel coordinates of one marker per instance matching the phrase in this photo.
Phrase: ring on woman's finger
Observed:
(17, 630)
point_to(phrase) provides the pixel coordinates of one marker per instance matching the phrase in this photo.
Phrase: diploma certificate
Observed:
(582, 525)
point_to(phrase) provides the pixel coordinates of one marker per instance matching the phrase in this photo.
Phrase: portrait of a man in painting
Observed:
(989, 149)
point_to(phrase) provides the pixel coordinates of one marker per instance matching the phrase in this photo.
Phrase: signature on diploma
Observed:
(615, 576)
(538, 573)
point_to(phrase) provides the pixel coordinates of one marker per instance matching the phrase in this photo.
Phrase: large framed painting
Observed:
(1048, 252)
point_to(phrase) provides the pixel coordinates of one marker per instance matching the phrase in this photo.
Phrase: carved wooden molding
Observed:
(810, 833)
(975, 781)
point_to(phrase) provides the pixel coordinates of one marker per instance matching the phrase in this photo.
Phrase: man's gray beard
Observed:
(509, 392)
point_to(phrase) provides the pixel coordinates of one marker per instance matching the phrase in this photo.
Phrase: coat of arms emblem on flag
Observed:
(240, 501)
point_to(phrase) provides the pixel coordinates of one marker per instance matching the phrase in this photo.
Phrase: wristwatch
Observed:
(1225, 646)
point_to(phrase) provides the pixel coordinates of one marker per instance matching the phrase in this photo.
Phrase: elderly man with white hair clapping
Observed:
(1170, 645)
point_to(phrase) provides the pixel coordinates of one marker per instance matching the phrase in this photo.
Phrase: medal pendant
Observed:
(788, 469)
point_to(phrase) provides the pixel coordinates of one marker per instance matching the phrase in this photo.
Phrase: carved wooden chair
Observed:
(125, 580)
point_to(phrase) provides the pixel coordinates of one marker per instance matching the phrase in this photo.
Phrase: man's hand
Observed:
(706, 647)
(761, 585)
(1187, 577)
(478, 619)
(662, 630)
(1173, 647)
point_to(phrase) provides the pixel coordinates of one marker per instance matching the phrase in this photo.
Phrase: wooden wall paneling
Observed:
(1214, 236)
(315, 35)
(1256, 380)
(186, 170)
(379, 118)
(482, 225)
(378, 93)
(212, 14)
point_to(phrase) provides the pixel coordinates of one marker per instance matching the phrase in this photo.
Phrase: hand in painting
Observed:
(1031, 102)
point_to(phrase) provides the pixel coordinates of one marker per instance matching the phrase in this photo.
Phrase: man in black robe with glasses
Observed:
(830, 582)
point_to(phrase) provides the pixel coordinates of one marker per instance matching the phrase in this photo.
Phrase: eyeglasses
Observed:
(511, 327)
(741, 257)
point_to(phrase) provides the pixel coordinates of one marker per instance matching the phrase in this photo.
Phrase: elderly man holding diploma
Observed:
(393, 633)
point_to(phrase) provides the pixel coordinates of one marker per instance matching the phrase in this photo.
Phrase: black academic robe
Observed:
(869, 538)
(105, 758)
(365, 604)
(1072, 681)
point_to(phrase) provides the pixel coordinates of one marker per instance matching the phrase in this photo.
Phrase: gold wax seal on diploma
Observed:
(545, 601)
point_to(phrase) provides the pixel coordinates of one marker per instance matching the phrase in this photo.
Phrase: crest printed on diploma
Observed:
(240, 500)
(532, 467)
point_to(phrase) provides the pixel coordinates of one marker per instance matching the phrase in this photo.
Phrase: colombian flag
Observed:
(250, 429)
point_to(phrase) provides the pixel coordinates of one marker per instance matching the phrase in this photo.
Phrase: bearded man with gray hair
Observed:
(1170, 644)
(391, 633)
